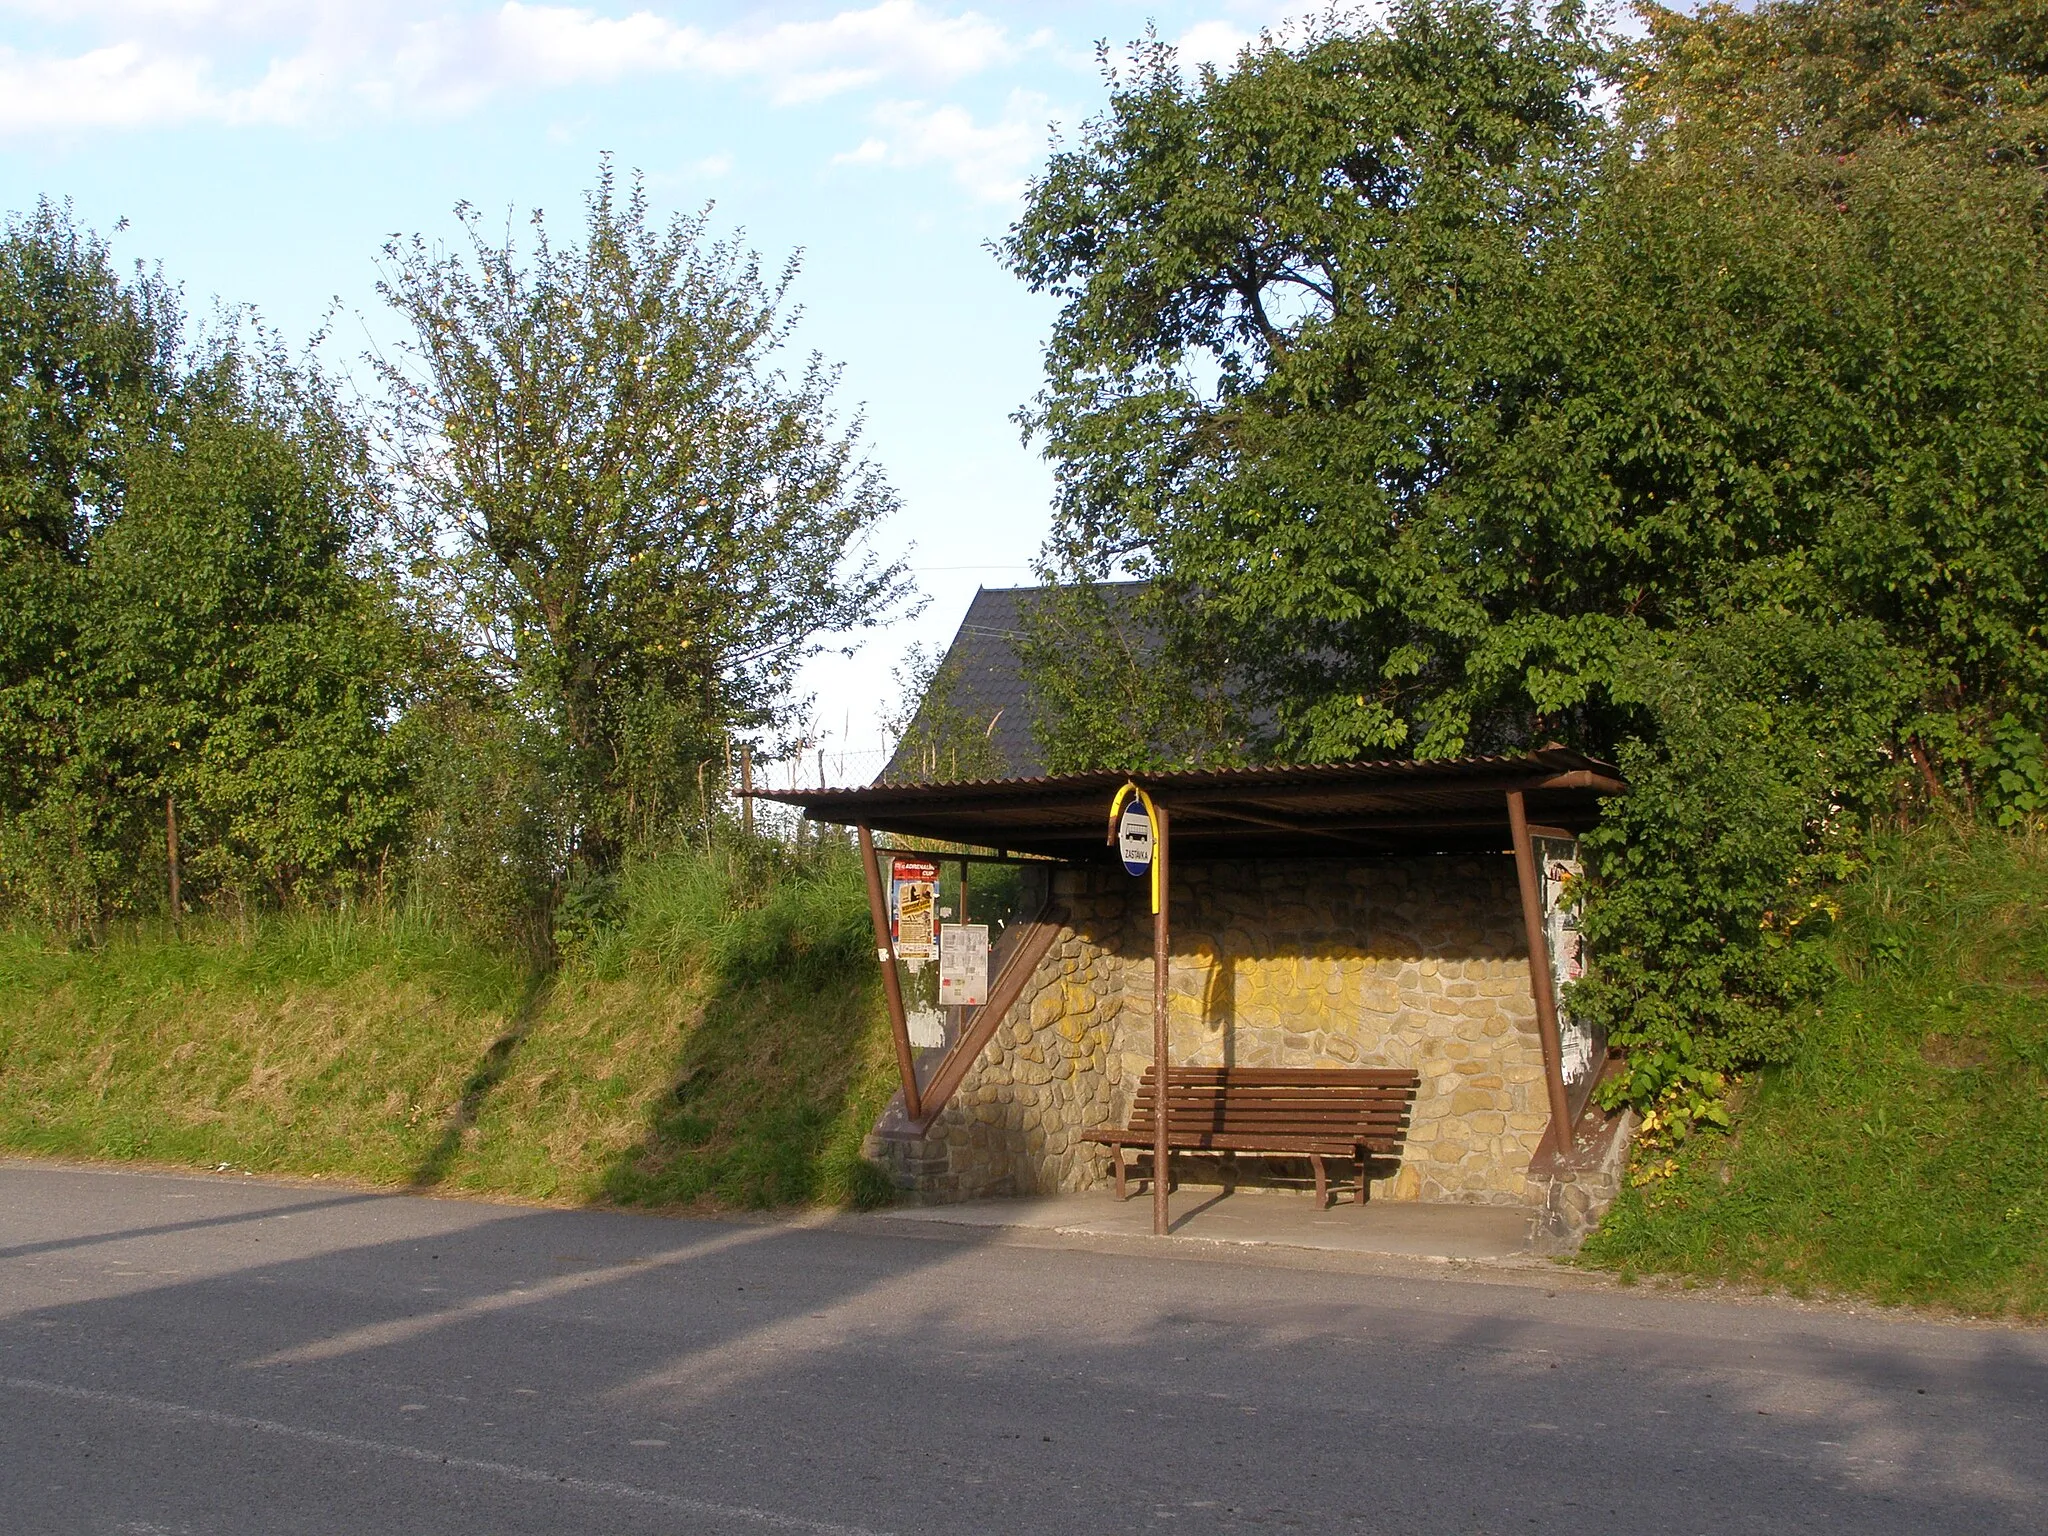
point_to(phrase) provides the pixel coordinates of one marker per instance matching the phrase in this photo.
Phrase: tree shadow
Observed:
(491, 1070)
(775, 1083)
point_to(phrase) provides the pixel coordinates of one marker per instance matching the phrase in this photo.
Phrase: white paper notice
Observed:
(927, 1028)
(963, 964)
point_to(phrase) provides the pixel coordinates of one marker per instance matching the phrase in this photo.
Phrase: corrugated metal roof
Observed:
(1386, 805)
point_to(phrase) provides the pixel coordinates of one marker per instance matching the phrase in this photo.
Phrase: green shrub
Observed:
(1900, 1151)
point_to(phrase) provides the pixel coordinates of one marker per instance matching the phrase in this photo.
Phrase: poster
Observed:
(914, 910)
(963, 965)
(1559, 869)
(926, 1027)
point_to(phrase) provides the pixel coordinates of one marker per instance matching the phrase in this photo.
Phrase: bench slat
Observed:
(1293, 1076)
(1278, 1146)
(1335, 1107)
(1199, 1113)
(1307, 1112)
(1308, 1101)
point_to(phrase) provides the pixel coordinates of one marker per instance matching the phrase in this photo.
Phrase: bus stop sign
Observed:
(1134, 838)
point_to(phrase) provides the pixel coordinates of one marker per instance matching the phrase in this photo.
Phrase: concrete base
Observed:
(1578, 1188)
(1408, 1228)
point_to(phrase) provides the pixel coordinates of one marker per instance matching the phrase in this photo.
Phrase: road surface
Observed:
(220, 1354)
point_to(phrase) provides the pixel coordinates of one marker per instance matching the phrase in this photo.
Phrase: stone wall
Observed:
(1407, 963)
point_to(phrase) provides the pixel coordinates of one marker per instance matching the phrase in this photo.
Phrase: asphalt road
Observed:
(200, 1355)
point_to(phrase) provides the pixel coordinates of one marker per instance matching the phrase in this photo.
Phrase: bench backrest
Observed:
(1338, 1104)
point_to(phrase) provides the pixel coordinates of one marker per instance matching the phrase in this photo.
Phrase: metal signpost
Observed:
(1140, 836)
(892, 986)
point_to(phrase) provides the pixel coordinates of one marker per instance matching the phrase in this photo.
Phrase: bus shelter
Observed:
(1398, 913)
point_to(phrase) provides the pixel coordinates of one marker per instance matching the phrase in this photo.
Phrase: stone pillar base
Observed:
(920, 1169)
(1571, 1199)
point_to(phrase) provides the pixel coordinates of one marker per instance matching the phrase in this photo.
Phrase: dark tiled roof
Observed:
(988, 678)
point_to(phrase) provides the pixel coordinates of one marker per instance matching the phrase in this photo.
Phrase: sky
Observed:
(263, 151)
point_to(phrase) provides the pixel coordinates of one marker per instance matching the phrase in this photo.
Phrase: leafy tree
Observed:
(189, 614)
(1283, 292)
(1837, 75)
(639, 524)
(938, 740)
(1118, 676)
(85, 361)
(87, 357)
(245, 654)
(1691, 439)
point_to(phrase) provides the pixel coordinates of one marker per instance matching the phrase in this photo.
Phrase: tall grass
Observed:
(1902, 1153)
(381, 1045)
(749, 914)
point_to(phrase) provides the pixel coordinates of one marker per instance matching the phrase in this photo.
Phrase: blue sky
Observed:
(263, 150)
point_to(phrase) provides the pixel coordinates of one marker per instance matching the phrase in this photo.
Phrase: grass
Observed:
(718, 1042)
(1902, 1154)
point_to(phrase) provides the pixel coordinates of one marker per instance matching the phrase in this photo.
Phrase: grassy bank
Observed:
(715, 1037)
(1903, 1154)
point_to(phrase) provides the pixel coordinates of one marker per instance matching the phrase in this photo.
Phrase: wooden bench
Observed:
(1306, 1112)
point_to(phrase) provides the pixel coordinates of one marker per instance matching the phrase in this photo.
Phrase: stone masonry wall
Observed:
(1406, 963)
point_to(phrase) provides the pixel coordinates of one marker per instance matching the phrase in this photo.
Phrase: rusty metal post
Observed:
(1540, 985)
(892, 986)
(747, 788)
(171, 848)
(1160, 938)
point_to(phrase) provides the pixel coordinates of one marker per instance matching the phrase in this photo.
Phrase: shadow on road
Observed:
(839, 1372)
(166, 1229)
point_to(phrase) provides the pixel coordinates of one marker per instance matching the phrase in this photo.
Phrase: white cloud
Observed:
(991, 161)
(1212, 42)
(807, 59)
(165, 61)
(189, 14)
(120, 86)
(1219, 40)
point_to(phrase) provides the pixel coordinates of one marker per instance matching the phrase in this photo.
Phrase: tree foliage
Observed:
(938, 739)
(1703, 433)
(602, 527)
(1282, 288)
(637, 523)
(245, 649)
(1836, 76)
(188, 613)
(84, 360)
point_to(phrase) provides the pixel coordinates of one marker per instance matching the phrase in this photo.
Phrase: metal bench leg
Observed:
(1361, 1178)
(1116, 1156)
(1315, 1161)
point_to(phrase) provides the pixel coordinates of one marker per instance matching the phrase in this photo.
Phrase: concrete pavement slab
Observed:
(1406, 1229)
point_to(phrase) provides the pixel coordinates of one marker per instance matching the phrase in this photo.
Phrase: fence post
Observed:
(747, 788)
(171, 847)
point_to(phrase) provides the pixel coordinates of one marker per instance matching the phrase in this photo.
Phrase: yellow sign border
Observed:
(1152, 815)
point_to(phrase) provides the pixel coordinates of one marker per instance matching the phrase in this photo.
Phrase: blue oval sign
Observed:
(1134, 839)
